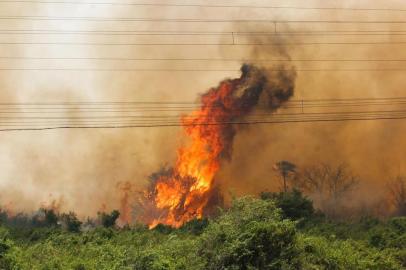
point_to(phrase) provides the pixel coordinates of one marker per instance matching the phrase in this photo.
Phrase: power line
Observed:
(122, 70)
(122, 121)
(147, 105)
(197, 59)
(84, 121)
(196, 70)
(39, 110)
(269, 113)
(204, 5)
(30, 120)
(203, 33)
(217, 33)
(151, 106)
(206, 44)
(165, 117)
(359, 99)
(180, 106)
(103, 124)
(139, 115)
(191, 122)
(124, 109)
(194, 20)
(205, 124)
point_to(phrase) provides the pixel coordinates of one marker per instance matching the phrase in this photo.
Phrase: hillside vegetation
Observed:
(276, 231)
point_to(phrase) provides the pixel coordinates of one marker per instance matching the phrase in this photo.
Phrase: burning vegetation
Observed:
(189, 189)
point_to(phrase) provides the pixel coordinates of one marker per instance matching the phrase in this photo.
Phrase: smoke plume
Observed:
(182, 193)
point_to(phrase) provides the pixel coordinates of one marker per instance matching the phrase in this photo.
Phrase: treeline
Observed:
(50, 218)
(271, 231)
(341, 194)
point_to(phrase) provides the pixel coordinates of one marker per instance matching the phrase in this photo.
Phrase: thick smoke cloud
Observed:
(87, 168)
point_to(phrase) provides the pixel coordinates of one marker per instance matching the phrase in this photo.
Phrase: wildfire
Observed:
(183, 192)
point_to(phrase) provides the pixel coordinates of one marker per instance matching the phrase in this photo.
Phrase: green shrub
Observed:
(162, 228)
(322, 253)
(250, 235)
(293, 204)
(109, 220)
(71, 222)
(195, 226)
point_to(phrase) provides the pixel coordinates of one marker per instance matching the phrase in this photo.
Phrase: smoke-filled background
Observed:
(86, 170)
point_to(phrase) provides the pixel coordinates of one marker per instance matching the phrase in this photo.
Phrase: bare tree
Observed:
(328, 184)
(397, 191)
(341, 181)
(315, 179)
(285, 168)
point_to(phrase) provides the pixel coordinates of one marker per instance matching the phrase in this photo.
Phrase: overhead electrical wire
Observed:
(202, 33)
(184, 117)
(390, 100)
(231, 43)
(89, 115)
(85, 121)
(126, 109)
(195, 102)
(198, 59)
(204, 124)
(200, 5)
(197, 33)
(198, 70)
(194, 20)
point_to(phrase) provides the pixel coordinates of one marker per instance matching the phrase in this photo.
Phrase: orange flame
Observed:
(183, 193)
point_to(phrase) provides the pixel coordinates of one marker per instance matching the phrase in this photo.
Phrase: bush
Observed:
(71, 222)
(44, 218)
(322, 253)
(195, 226)
(293, 204)
(389, 235)
(150, 260)
(51, 219)
(109, 220)
(162, 228)
(250, 235)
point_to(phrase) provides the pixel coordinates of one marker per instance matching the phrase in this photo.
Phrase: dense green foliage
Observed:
(108, 220)
(293, 204)
(251, 234)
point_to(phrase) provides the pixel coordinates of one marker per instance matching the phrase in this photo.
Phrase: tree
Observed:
(51, 218)
(397, 191)
(195, 226)
(285, 168)
(109, 220)
(163, 228)
(251, 234)
(293, 204)
(71, 222)
(328, 185)
(45, 218)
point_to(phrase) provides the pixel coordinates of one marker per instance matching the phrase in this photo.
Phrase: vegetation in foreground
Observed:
(276, 231)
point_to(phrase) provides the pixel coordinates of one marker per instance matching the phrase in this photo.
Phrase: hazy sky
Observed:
(85, 167)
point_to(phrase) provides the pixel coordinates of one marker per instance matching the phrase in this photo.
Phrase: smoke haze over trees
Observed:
(94, 162)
